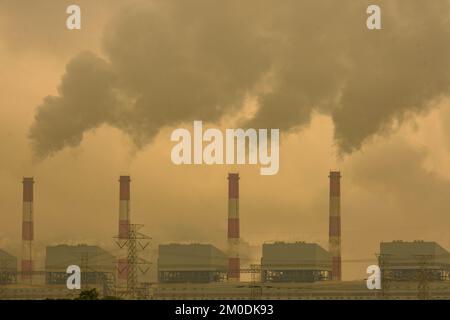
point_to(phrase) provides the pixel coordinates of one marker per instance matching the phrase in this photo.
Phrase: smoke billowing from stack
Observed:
(27, 230)
(208, 74)
(233, 227)
(335, 224)
(124, 227)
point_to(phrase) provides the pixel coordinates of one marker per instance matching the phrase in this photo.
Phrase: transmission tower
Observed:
(84, 269)
(135, 243)
(383, 263)
(423, 276)
(256, 288)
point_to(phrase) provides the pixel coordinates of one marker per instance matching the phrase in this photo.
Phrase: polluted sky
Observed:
(79, 108)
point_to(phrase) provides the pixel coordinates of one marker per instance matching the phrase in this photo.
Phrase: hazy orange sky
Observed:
(374, 106)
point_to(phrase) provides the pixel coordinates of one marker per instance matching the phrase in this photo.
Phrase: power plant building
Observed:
(295, 262)
(198, 263)
(96, 264)
(403, 261)
(8, 268)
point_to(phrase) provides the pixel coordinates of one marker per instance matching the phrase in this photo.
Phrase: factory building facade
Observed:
(295, 262)
(8, 268)
(97, 265)
(409, 261)
(196, 263)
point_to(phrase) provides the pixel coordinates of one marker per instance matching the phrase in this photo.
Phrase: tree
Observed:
(91, 294)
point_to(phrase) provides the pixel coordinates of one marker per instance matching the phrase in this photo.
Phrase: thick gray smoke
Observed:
(173, 61)
(85, 101)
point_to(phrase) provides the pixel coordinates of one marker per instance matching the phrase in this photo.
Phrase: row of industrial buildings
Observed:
(280, 262)
(203, 263)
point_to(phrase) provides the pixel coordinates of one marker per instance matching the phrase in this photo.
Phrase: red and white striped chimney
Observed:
(124, 226)
(27, 230)
(233, 227)
(335, 224)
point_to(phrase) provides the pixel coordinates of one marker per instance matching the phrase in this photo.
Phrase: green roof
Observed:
(295, 255)
(191, 257)
(414, 253)
(59, 257)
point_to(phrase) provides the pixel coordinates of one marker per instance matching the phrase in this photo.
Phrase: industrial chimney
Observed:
(124, 227)
(27, 230)
(233, 227)
(335, 224)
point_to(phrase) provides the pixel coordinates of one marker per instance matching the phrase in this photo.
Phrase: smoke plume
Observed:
(175, 61)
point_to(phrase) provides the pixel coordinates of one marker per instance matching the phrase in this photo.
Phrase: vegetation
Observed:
(93, 294)
(89, 294)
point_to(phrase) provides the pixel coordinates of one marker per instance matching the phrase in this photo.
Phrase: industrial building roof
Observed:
(414, 253)
(7, 261)
(59, 257)
(295, 255)
(191, 257)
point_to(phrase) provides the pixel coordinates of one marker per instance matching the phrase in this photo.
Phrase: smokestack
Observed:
(27, 230)
(124, 226)
(335, 224)
(233, 227)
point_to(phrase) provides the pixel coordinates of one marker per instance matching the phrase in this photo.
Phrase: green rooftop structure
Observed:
(191, 263)
(295, 262)
(96, 264)
(403, 260)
